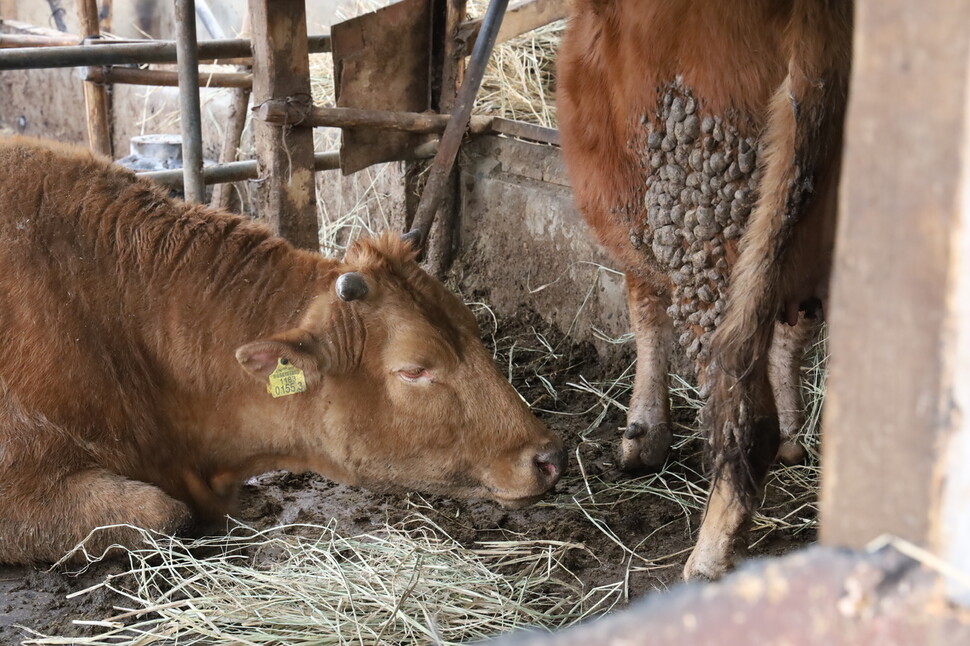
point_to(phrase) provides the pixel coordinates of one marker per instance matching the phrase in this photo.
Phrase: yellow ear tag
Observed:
(287, 379)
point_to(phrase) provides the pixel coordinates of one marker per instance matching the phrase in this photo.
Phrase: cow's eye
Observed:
(414, 374)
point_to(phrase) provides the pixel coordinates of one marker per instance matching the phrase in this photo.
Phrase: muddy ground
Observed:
(658, 528)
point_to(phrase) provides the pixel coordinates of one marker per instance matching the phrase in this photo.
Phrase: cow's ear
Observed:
(261, 358)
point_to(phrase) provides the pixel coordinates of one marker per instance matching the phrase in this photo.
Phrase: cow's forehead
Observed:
(391, 263)
(423, 297)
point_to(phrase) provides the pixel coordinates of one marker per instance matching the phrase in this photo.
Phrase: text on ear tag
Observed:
(287, 379)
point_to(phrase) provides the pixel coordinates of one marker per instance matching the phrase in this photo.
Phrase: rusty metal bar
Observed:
(166, 78)
(190, 112)
(451, 139)
(127, 53)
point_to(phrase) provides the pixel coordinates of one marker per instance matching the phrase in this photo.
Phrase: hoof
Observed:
(790, 453)
(708, 565)
(645, 448)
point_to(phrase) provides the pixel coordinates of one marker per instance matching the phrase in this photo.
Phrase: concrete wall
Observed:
(525, 244)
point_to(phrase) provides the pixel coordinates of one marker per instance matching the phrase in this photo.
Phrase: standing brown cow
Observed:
(702, 139)
(155, 354)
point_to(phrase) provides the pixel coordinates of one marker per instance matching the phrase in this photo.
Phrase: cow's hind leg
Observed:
(647, 438)
(784, 370)
(744, 449)
(41, 523)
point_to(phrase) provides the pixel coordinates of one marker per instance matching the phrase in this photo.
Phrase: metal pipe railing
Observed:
(234, 171)
(132, 53)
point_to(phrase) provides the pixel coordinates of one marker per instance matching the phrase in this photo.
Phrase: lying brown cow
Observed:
(703, 140)
(156, 353)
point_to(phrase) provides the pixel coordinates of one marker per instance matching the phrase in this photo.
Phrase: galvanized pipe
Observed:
(235, 171)
(243, 170)
(451, 139)
(190, 112)
(128, 53)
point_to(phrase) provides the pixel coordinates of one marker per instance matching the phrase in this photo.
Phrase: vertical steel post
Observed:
(190, 113)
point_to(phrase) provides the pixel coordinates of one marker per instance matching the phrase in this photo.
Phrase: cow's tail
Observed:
(803, 124)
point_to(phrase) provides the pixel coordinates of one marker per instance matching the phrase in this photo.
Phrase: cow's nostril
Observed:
(547, 469)
(550, 464)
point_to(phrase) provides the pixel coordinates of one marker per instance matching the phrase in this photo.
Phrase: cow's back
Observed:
(106, 295)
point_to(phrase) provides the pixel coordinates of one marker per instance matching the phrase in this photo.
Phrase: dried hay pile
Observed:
(307, 584)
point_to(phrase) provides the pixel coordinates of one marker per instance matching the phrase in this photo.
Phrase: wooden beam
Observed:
(95, 95)
(905, 169)
(164, 78)
(442, 241)
(520, 18)
(437, 184)
(285, 192)
(222, 194)
(281, 113)
(35, 40)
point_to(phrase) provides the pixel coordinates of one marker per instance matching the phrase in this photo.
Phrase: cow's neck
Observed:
(231, 427)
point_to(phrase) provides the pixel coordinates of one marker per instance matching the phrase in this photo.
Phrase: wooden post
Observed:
(450, 141)
(285, 193)
(896, 320)
(440, 246)
(8, 9)
(95, 95)
(238, 110)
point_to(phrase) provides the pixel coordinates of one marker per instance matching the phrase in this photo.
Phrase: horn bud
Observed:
(351, 286)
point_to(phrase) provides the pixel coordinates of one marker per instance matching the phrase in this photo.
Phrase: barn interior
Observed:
(308, 561)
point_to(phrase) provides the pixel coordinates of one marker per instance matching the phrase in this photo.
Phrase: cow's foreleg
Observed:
(647, 438)
(784, 370)
(41, 523)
